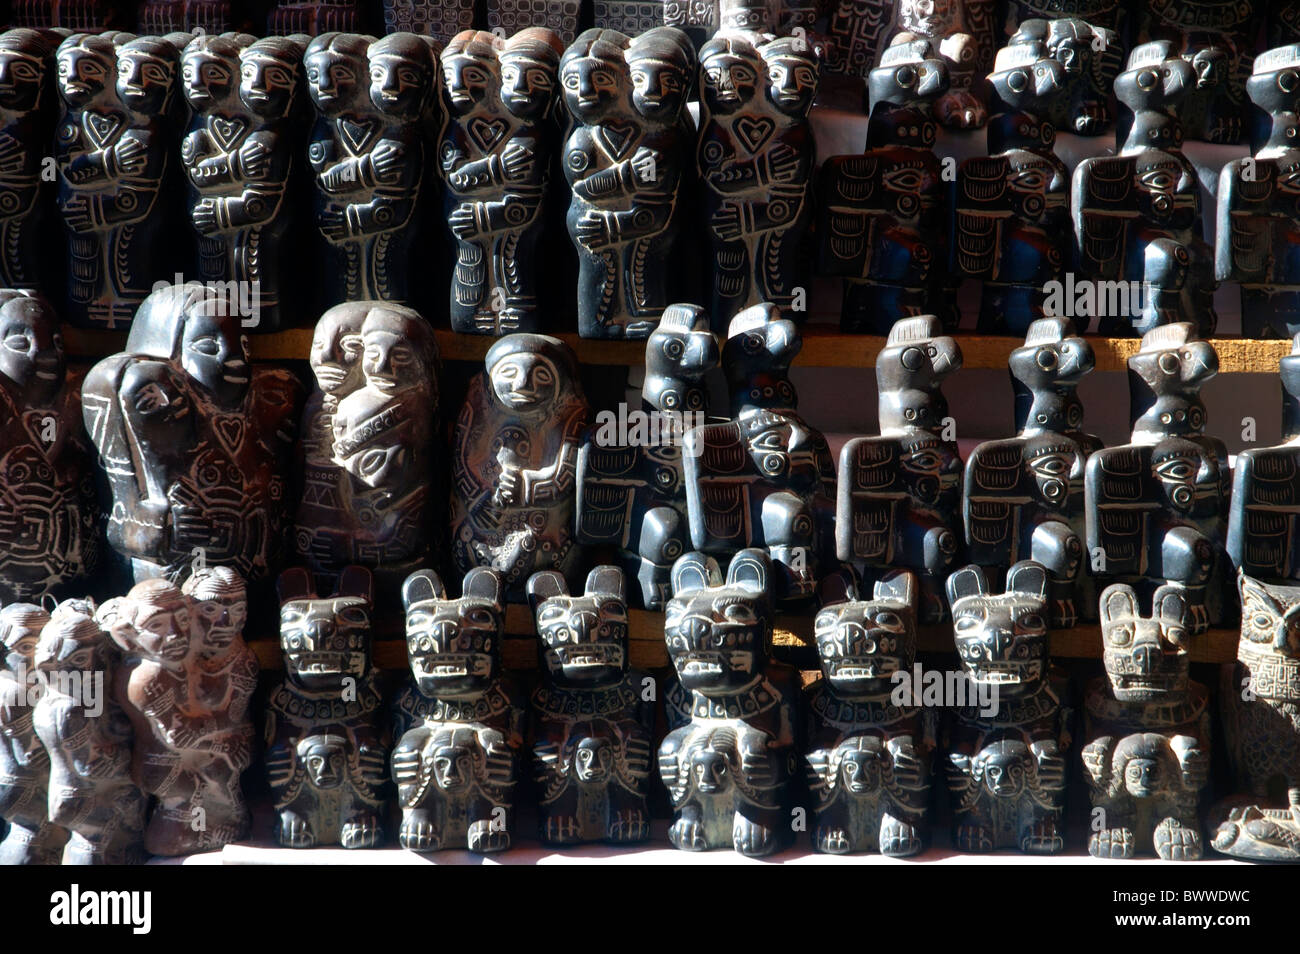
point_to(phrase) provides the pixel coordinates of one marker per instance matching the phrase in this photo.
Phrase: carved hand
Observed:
(462, 222)
(129, 155)
(726, 223)
(517, 162)
(204, 215)
(592, 231)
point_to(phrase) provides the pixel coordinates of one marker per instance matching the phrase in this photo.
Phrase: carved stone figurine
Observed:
(625, 159)
(1023, 495)
(326, 745)
(631, 483)
(88, 739)
(1137, 215)
(368, 152)
(516, 450)
(114, 150)
(1006, 761)
(883, 219)
(456, 763)
(899, 494)
(765, 478)
(1147, 727)
(1257, 219)
(496, 154)
(1013, 205)
(32, 839)
(868, 758)
(366, 457)
(186, 683)
(756, 160)
(27, 107)
(1157, 507)
(194, 441)
(1091, 56)
(592, 722)
(728, 767)
(49, 515)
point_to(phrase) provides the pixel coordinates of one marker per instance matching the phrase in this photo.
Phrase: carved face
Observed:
(1143, 778)
(524, 383)
(1054, 364)
(336, 349)
(1155, 85)
(21, 78)
(1212, 68)
(468, 80)
(398, 86)
(1002, 641)
(1146, 659)
(144, 80)
(711, 770)
(860, 765)
(453, 645)
(593, 761)
(715, 638)
(453, 768)
(1178, 371)
(31, 353)
(266, 83)
(389, 361)
(1002, 768)
(658, 88)
(1270, 619)
(20, 631)
(215, 355)
(584, 639)
(730, 81)
(84, 74)
(209, 78)
(912, 375)
(162, 629)
(527, 85)
(324, 641)
(862, 643)
(791, 84)
(336, 80)
(325, 760)
(933, 18)
(219, 620)
(71, 642)
(594, 87)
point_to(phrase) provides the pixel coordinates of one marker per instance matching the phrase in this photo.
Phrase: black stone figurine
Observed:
(1006, 760)
(326, 745)
(728, 767)
(456, 762)
(1023, 495)
(868, 759)
(27, 107)
(631, 477)
(1091, 55)
(1147, 731)
(1157, 507)
(592, 715)
(899, 494)
(765, 478)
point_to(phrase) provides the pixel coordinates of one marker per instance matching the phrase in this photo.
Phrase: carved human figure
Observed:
(756, 158)
(496, 154)
(883, 220)
(516, 451)
(27, 110)
(1023, 495)
(1137, 214)
(326, 744)
(1157, 507)
(1091, 55)
(1147, 731)
(631, 481)
(1005, 762)
(88, 739)
(899, 494)
(113, 149)
(765, 478)
(31, 839)
(727, 766)
(194, 441)
(591, 719)
(867, 759)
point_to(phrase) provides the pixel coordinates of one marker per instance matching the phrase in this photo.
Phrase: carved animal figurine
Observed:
(1091, 55)
(899, 494)
(765, 478)
(114, 151)
(326, 745)
(1147, 727)
(49, 515)
(1137, 215)
(32, 839)
(368, 153)
(884, 215)
(461, 720)
(868, 758)
(1257, 220)
(496, 154)
(1006, 768)
(631, 482)
(756, 160)
(1157, 507)
(625, 159)
(88, 739)
(194, 441)
(1023, 495)
(27, 109)
(728, 764)
(592, 723)
(1013, 205)
(516, 451)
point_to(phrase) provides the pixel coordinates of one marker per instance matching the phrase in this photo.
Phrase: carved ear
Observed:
(1118, 602)
(607, 580)
(838, 587)
(695, 571)
(356, 581)
(422, 585)
(750, 569)
(1169, 605)
(899, 585)
(295, 583)
(545, 584)
(1028, 578)
(968, 581)
(485, 583)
